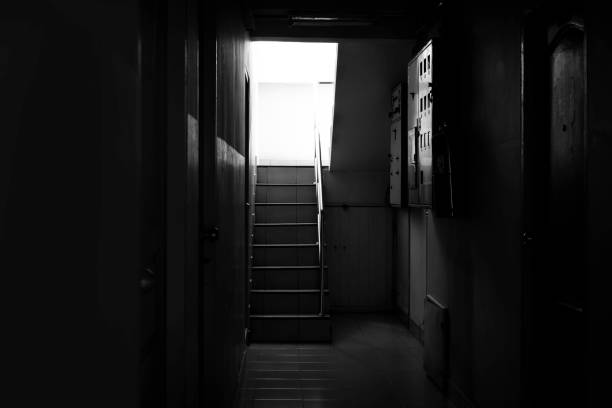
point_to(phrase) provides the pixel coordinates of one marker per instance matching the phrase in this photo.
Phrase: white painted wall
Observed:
(284, 124)
(289, 100)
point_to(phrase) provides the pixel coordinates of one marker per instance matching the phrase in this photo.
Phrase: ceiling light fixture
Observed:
(311, 21)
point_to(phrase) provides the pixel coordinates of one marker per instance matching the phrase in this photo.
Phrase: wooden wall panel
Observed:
(359, 246)
(224, 196)
(402, 259)
(418, 264)
(70, 202)
(225, 280)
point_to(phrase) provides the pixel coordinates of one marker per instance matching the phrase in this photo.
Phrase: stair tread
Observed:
(288, 267)
(287, 166)
(306, 203)
(288, 290)
(286, 245)
(285, 224)
(286, 184)
(290, 316)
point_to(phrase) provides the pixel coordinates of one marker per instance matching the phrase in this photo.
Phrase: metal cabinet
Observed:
(426, 155)
(430, 108)
(398, 191)
(420, 75)
(412, 133)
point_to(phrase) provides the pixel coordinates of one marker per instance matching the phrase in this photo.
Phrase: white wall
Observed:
(359, 220)
(285, 118)
(294, 89)
(284, 122)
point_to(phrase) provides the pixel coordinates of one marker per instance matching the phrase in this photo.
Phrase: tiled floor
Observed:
(372, 362)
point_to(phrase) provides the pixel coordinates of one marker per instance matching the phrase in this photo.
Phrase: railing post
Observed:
(319, 188)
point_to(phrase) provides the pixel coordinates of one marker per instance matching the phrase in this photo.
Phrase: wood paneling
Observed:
(225, 277)
(471, 264)
(402, 262)
(418, 264)
(359, 257)
(70, 202)
(224, 65)
(182, 205)
(367, 72)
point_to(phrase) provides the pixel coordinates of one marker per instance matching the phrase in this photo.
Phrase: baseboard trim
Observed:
(360, 309)
(241, 374)
(452, 392)
(413, 328)
(458, 398)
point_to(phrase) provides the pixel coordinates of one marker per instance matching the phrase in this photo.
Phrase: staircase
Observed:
(286, 299)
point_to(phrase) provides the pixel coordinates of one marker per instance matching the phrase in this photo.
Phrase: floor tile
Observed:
(372, 362)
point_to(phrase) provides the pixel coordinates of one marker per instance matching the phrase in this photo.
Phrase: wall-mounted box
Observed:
(412, 134)
(398, 176)
(424, 106)
(431, 108)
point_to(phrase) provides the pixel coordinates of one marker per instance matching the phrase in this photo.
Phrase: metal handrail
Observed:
(318, 164)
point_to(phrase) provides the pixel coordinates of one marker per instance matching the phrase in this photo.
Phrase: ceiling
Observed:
(338, 19)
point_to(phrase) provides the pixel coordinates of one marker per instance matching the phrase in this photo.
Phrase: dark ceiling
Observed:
(338, 19)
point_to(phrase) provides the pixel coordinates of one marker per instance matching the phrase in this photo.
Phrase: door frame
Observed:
(541, 27)
(183, 292)
(249, 194)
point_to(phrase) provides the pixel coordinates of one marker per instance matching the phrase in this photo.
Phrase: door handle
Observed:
(569, 306)
(148, 280)
(211, 233)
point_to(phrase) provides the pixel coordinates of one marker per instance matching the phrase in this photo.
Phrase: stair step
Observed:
(284, 245)
(287, 213)
(285, 193)
(290, 328)
(286, 224)
(290, 316)
(288, 291)
(286, 166)
(288, 278)
(285, 291)
(285, 174)
(285, 203)
(288, 302)
(285, 234)
(286, 184)
(285, 255)
(287, 267)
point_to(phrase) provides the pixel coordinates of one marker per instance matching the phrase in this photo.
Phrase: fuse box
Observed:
(430, 108)
(398, 191)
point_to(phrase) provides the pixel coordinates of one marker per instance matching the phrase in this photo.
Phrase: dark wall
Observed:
(225, 65)
(367, 71)
(69, 201)
(599, 199)
(471, 264)
(358, 226)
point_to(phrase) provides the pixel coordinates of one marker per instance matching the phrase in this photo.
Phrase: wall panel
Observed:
(70, 203)
(471, 264)
(418, 264)
(359, 257)
(225, 168)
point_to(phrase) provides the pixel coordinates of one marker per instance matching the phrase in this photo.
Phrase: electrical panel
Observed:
(412, 133)
(428, 146)
(421, 113)
(398, 191)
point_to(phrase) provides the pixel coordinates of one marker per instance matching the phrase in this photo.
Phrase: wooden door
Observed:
(152, 203)
(554, 268)
(565, 222)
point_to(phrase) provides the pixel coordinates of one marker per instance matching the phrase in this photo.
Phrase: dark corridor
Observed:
(373, 362)
(455, 248)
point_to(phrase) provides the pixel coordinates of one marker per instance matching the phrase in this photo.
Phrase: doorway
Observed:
(554, 192)
(293, 96)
